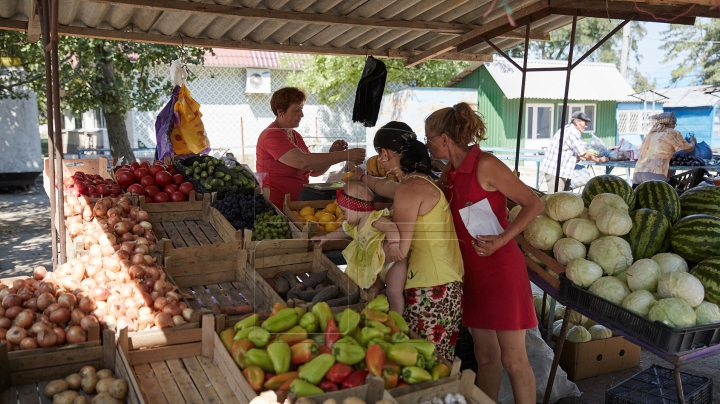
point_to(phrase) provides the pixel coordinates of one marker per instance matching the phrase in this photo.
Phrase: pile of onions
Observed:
(116, 283)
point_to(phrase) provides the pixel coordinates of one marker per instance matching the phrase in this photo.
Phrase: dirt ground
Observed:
(25, 242)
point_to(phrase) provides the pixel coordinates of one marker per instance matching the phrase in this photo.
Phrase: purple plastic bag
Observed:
(164, 126)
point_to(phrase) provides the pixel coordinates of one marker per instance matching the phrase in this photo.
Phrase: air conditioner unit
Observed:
(258, 81)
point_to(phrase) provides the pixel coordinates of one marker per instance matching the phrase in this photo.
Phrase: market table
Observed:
(627, 165)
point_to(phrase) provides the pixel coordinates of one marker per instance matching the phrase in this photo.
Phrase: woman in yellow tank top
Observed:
(433, 288)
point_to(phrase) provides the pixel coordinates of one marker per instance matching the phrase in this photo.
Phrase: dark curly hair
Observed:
(400, 138)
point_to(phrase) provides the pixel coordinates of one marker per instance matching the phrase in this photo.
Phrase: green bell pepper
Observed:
(415, 375)
(259, 337)
(440, 371)
(318, 338)
(323, 313)
(313, 371)
(304, 389)
(283, 320)
(348, 340)
(424, 348)
(279, 354)
(380, 303)
(399, 337)
(348, 353)
(259, 357)
(399, 321)
(309, 321)
(244, 333)
(420, 362)
(348, 323)
(379, 326)
(337, 317)
(368, 333)
(432, 362)
(384, 344)
(247, 322)
(403, 354)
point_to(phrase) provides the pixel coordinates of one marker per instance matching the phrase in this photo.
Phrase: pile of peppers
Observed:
(310, 353)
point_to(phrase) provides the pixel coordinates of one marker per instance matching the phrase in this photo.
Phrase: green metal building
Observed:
(595, 88)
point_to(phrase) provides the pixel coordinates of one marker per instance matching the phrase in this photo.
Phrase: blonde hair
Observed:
(359, 190)
(463, 125)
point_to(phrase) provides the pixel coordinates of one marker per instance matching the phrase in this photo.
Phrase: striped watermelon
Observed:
(608, 184)
(701, 200)
(659, 196)
(648, 233)
(696, 237)
(708, 272)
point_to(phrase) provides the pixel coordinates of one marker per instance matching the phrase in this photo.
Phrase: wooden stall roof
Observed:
(414, 30)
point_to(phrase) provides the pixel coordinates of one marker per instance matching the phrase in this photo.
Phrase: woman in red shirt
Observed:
(283, 156)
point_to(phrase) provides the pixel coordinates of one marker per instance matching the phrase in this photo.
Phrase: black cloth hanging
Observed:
(369, 92)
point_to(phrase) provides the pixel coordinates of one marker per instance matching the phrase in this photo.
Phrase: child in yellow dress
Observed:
(373, 257)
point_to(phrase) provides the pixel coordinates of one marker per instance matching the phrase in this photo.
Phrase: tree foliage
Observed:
(699, 45)
(334, 78)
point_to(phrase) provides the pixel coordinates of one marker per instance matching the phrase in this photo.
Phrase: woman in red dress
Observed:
(496, 283)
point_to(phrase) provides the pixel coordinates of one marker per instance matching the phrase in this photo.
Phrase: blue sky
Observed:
(651, 65)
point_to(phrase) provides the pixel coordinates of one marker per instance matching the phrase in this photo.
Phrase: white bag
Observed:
(632, 152)
(581, 176)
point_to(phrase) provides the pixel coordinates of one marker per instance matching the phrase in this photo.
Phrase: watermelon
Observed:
(708, 272)
(649, 231)
(608, 184)
(701, 200)
(696, 237)
(659, 196)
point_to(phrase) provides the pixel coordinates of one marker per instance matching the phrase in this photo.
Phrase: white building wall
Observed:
(20, 136)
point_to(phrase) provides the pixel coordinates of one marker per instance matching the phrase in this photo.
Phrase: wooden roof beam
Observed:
(647, 10)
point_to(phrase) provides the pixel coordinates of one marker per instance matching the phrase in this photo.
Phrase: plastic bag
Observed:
(597, 144)
(581, 176)
(632, 152)
(164, 125)
(369, 92)
(540, 356)
(188, 136)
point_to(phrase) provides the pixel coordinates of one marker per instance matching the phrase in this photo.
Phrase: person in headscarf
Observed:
(658, 148)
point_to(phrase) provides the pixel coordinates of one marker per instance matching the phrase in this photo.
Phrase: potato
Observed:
(304, 400)
(103, 385)
(384, 402)
(353, 400)
(66, 397)
(73, 381)
(105, 398)
(104, 373)
(55, 386)
(330, 401)
(89, 382)
(118, 389)
(80, 400)
(85, 370)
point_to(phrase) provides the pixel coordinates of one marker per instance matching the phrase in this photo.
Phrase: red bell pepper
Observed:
(328, 386)
(277, 381)
(375, 359)
(339, 372)
(255, 377)
(277, 307)
(303, 351)
(238, 349)
(394, 367)
(269, 376)
(284, 391)
(332, 333)
(391, 379)
(324, 349)
(356, 378)
(402, 383)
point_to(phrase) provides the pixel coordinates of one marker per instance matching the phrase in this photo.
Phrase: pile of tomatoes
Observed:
(158, 182)
(91, 185)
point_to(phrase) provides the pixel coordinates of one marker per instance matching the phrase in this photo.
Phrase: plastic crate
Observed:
(657, 385)
(665, 338)
(688, 179)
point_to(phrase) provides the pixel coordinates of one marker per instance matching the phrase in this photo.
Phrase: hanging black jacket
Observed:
(369, 92)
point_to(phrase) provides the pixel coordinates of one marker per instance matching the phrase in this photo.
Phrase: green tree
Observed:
(110, 75)
(699, 45)
(334, 78)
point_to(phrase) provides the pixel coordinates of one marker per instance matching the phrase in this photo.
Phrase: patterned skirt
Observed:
(435, 314)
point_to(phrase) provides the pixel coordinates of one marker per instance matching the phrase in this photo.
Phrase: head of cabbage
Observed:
(602, 201)
(613, 222)
(567, 249)
(543, 232)
(683, 286)
(583, 272)
(582, 230)
(610, 288)
(599, 332)
(643, 275)
(670, 262)
(578, 334)
(538, 302)
(513, 213)
(612, 253)
(562, 206)
(674, 312)
(639, 302)
(585, 214)
(622, 275)
(707, 313)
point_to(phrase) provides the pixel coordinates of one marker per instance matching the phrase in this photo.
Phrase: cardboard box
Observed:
(71, 166)
(598, 357)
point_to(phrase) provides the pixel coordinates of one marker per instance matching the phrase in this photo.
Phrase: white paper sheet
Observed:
(480, 220)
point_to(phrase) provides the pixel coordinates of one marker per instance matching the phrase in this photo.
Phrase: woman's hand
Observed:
(486, 245)
(338, 145)
(356, 156)
(320, 240)
(394, 254)
(357, 174)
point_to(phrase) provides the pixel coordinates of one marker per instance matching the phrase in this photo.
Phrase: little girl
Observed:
(373, 257)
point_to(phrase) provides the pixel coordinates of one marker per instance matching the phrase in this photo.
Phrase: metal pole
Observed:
(678, 385)
(57, 117)
(242, 138)
(558, 351)
(522, 100)
(565, 100)
(54, 213)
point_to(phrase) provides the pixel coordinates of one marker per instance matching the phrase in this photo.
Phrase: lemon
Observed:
(326, 217)
(332, 226)
(311, 218)
(340, 220)
(307, 211)
(331, 207)
(321, 228)
(338, 212)
(346, 176)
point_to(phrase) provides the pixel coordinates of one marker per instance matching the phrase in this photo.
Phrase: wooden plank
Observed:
(28, 393)
(218, 277)
(59, 357)
(122, 366)
(197, 232)
(149, 386)
(211, 234)
(263, 294)
(202, 295)
(9, 396)
(184, 381)
(202, 383)
(208, 330)
(227, 262)
(41, 390)
(175, 216)
(164, 337)
(49, 373)
(246, 293)
(211, 249)
(43, 351)
(217, 379)
(232, 293)
(271, 272)
(186, 235)
(232, 373)
(218, 295)
(223, 227)
(192, 302)
(169, 386)
(286, 259)
(174, 235)
(163, 353)
(108, 355)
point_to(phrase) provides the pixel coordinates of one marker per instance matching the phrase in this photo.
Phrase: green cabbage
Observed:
(562, 206)
(674, 312)
(582, 230)
(578, 334)
(643, 275)
(681, 285)
(610, 288)
(612, 253)
(639, 302)
(613, 222)
(513, 213)
(543, 232)
(707, 313)
(670, 262)
(599, 332)
(602, 201)
(585, 214)
(622, 275)
(583, 272)
(567, 249)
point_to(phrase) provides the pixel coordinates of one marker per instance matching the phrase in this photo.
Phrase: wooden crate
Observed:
(276, 246)
(195, 202)
(262, 272)
(550, 263)
(371, 392)
(178, 367)
(465, 385)
(93, 166)
(23, 380)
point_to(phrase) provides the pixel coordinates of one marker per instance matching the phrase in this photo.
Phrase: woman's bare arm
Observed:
(295, 158)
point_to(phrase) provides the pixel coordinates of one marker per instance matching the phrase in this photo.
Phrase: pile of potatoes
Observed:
(109, 389)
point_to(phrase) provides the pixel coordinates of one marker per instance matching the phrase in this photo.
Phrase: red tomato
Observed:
(186, 187)
(178, 197)
(81, 188)
(91, 190)
(163, 178)
(170, 188)
(172, 170)
(98, 182)
(135, 165)
(161, 197)
(156, 168)
(147, 180)
(125, 178)
(94, 195)
(79, 175)
(145, 165)
(140, 172)
(136, 189)
(115, 189)
(97, 177)
(102, 189)
(151, 191)
(178, 179)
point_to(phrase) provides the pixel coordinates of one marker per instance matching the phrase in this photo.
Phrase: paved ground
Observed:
(25, 242)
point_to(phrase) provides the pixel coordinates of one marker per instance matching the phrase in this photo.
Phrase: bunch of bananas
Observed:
(376, 169)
